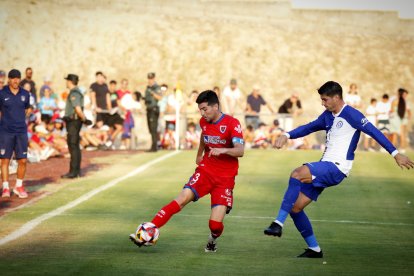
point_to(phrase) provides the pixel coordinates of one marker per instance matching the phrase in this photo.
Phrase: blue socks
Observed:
(291, 195)
(304, 226)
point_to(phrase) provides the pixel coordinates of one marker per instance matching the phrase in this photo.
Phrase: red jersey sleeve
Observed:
(236, 132)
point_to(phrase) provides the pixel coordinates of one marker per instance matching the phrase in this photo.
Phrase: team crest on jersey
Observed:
(339, 124)
(223, 129)
(23, 98)
(238, 128)
(364, 121)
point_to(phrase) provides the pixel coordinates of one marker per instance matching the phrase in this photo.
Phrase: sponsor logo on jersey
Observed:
(208, 139)
(238, 128)
(223, 129)
(339, 124)
(364, 121)
(23, 98)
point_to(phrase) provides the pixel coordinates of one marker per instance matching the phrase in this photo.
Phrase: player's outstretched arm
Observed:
(281, 141)
(403, 161)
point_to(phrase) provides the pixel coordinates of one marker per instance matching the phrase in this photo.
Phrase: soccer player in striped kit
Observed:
(343, 125)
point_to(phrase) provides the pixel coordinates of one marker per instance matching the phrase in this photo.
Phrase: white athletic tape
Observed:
(314, 220)
(23, 230)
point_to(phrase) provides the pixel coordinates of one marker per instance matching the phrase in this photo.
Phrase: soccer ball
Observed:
(147, 233)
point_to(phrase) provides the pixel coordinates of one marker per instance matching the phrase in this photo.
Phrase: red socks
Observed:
(216, 228)
(164, 215)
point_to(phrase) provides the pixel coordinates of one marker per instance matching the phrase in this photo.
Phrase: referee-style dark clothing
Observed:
(73, 127)
(13, 127)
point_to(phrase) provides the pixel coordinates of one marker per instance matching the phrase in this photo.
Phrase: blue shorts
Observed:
(324, 174)
(13, 142)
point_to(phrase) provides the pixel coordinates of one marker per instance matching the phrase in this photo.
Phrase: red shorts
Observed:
(220, 188)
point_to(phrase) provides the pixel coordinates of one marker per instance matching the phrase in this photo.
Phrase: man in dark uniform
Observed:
(152, 96)
(74, 118)
(14, 108)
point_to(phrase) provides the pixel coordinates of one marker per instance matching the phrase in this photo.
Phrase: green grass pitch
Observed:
(365, 225)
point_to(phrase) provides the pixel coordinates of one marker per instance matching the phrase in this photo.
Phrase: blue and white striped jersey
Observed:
(342, 135)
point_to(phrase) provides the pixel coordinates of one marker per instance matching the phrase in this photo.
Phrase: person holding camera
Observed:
(74, 118)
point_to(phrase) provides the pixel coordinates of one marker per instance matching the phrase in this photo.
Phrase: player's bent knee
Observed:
(296, 209)
(216, 227)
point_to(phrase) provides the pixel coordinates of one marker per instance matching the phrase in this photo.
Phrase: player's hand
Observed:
(404, 161)
(217, 151)
(281, 141)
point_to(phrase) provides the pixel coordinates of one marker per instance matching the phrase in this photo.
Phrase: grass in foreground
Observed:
(92, 238)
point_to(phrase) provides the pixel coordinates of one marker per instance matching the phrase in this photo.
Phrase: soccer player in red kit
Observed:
(221, 144)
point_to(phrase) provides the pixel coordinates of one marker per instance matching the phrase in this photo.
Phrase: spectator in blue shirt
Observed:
(253, 107)
(47, 106)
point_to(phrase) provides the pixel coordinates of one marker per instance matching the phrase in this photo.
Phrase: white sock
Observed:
(316, 249)
(5, 185)
(19, 182)
(278, 222)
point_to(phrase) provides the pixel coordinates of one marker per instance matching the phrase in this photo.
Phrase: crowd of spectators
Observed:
(113, 108)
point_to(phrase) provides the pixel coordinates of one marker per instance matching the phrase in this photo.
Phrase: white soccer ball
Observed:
(147, 233)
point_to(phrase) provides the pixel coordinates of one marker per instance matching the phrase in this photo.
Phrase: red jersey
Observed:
(222, 134)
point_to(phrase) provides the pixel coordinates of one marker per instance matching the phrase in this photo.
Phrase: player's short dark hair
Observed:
(209, 97)
(112, 82)
(331, 89)
(385, 96)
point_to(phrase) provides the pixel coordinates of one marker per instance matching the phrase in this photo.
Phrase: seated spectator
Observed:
(248, 136)
(261, 138)
(47, 106)
(275, 132)
(126, 101)
(290, 108)
(168, 139)
(192, 137)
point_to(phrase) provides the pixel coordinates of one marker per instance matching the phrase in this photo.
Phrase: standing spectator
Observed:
(47, 84)
(14, 107)
(115, 121)
(168, 105)
(371, 115)
(152, 96)
(261, 137)
(232, 97)
(400, 114)
(47, 106)
(101, 99)
(2, 79)
(74, 117)
(254, 102)
(191, 108)
(352, 98)
(383, 114)
(28, 79)
(125, 96)
(290, 108)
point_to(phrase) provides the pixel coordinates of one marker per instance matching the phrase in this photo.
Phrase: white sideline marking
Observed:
(24, 229)
(314, 220)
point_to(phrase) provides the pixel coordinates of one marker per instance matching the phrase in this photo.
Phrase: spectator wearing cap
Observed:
(290, 108)
(28, 79)
(74, 118)
(253, 107)
(152, 96)
(2, 79)
(14, 107)
(101, 100)
(232, 97)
